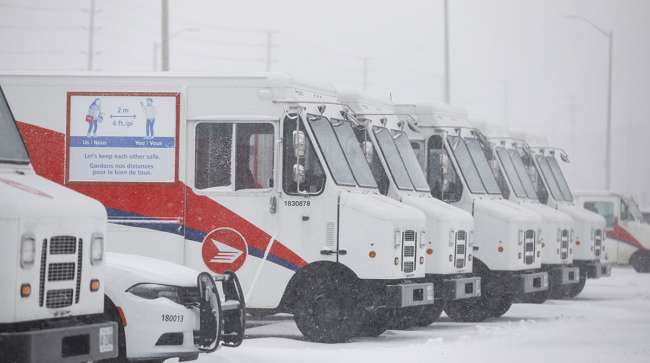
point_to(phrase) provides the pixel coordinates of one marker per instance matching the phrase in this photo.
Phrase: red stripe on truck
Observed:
(47, 150)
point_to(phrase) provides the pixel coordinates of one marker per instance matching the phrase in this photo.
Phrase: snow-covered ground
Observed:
(608, 322)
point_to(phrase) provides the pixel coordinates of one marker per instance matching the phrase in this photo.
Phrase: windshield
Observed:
(12, 149)
(466, 165)
(353, 153)
(548, 177)
(331, 150)
(411, 162)
(511, 172)
(524, 176)
(559, 177)
(483, 166)
(392, 157)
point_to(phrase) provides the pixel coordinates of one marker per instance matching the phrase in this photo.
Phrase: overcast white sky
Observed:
(514, 62)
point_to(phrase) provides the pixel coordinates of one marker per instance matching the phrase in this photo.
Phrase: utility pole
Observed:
(164, 36)
(364, 61)
(269, 47)
(91, 35)
(608, 140)
(447, 81)
(506, 104)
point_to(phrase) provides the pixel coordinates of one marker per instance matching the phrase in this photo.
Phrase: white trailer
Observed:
(449, 234)
(628, 234)
(557, 236)
(507, 247)
(589, 253)
(51, 283)
(239, 173)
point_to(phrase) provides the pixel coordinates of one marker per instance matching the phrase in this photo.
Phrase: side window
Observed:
(626, 215)
(213, 155)
(605, 209)
(254, 158)
(304, 174)
(253, 161)
(441, 175)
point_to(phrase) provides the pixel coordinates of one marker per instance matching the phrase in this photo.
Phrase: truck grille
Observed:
(564, 244)
(598, 242)
(409, 252)
(59, 298)
(61, 271)
(460, 258)
(63, 245)
(529, 247)
(61, 264)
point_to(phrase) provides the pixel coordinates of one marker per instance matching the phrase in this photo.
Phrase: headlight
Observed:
(452, 238)
(27, 250)
(155, 291)
(423, 241)
(96, 248)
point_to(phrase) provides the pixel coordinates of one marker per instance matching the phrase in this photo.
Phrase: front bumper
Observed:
(527, 283)
(461, 288)
(563, 275)
(69, 344)
(409, 294)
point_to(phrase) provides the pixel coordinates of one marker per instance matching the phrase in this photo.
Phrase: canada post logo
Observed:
(224, 249)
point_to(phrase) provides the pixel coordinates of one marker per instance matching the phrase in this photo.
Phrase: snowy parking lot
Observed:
(608, 322)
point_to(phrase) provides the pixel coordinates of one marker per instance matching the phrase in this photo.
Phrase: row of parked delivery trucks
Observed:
(262, 194)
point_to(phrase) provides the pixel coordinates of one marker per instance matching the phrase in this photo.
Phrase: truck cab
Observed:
(51, 290)
(449, 230)
(589, 252)
(557, 233)
(628, 235)
(507, 249)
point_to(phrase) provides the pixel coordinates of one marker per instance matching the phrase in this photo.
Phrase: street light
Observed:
(156, 45)
(608, 134)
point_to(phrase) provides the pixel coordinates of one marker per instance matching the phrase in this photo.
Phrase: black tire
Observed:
(499, 305)
(574, 290)
(640, 261)
(327, 312)
(468, 310)
(110, 312)
(404, 318)
(430, 314)
(374, 324)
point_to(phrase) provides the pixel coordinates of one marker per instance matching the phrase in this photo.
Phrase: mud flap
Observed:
(233, 310)
(210, 321)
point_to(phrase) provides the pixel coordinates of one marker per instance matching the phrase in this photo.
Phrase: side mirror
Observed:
(299, 144)
(298, 173)
(368, 150)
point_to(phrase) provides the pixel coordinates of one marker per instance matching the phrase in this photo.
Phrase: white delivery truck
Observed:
(628, 235)
(233, 173)
(558, 231)
(51, 285)
(507, 246)
(448, 237)
(589, 253)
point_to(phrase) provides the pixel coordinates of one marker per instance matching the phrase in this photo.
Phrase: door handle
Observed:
(273, 204)
(328, 252)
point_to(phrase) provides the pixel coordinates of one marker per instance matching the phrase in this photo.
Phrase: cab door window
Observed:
(247, 165)
(301, 174)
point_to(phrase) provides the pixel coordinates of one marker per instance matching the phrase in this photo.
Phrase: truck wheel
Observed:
(404, 318)
(468, 310)
(374, 324)
(499, 305)
(574, 290)
(430, 314)
(327, 312)
(640, 261)
(110, 312)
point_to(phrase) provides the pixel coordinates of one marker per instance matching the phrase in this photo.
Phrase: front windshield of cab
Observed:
(483, 166)
(548, 176)
(525, 178)
(559, 177)
(331, 150)
(392, 157)
(353, 153)
(12, 149)
(411, 162)
(511, 172)
(466, 165)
